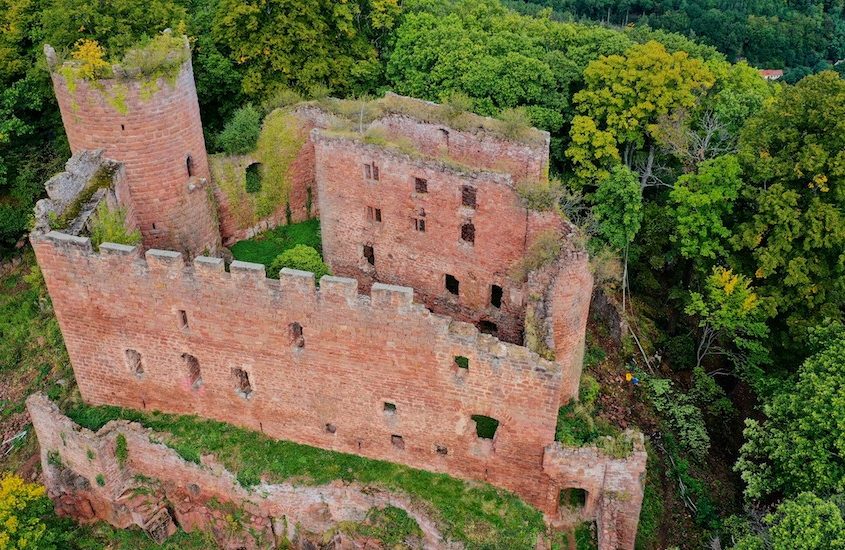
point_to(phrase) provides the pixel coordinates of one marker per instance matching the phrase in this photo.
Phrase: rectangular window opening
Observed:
(452, 284)
(183, 319)
(369, 254)
(389, 408)
(573, 498)
(468, 196)
(468, 233)
(461, 362)
(398, 442)
(485, 426)
(194, 374)
(419, 225)
(242, 385)
(368, 171)
(297, 339)
(378, 215)
(375, 172)
(133, 360)
(496, 296)
(420, 185)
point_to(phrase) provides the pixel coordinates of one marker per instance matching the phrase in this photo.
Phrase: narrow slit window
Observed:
(189, 165)
(398, 442)
(420, 185)
(368, 171)
(370, 214)
(297, 339)
(369, 254)
(468, 233)
(183, 319)
(496, 296)
(452, 284)
(194, 374)
(133, 360)
(468, 196)
(375, 172)
(485, 426)
(378, 215)
(389, 408)
(419, 225)
(242, 385)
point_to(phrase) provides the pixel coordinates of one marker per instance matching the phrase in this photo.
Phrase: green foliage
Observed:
(681, 414)
(240, 135)
(391, 526)
(302, 257)
(544, 250)
(800, 444)
(624, 97)
(618, 207)
(793, 230)
(703, 203)
(24, 508)
(301, 44)
(588, 391)
(807, 523)
(485, 427)
(731, 320)
(109, 226)
(708, 395)
(477, 514)
(159, 57)
(121, 452)
(264, 248)
(101, 481)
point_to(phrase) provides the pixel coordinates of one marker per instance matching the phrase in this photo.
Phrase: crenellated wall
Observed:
(371, 375)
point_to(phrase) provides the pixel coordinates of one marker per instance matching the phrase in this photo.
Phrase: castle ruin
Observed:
(437, 326)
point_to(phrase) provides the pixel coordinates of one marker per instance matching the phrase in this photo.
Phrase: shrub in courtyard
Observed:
(300, 257)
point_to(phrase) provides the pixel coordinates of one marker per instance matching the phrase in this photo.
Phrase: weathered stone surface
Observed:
(153, 130)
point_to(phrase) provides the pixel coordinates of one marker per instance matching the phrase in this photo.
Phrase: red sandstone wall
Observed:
(480, 149)
(359, 353)
(153, 139)
(406, 256)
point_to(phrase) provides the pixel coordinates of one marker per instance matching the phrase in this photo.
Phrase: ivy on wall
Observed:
(278, 146)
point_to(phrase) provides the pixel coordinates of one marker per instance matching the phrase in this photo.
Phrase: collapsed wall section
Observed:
(377, 376)
(149, 485)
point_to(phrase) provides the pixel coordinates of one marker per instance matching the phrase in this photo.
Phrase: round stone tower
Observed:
(147, 118)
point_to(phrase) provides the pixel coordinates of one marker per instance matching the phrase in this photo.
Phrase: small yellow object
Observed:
(628, 376)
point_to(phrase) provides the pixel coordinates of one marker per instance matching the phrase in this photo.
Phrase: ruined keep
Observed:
(440, 316)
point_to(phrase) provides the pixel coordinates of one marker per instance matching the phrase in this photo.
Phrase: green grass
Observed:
(103, 535)
(263, 248)
(477, 514)
(392, 526)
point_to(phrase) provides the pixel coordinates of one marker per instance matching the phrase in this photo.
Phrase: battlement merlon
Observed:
(292, 285)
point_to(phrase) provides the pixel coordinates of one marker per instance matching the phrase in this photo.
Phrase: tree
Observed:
(702, 205)
(618, 210)
(304, 44)
(624, 97)
(731, 320)
(801, 443)
(807, 523)
(240, 135)
(793, 227)
(302, 257)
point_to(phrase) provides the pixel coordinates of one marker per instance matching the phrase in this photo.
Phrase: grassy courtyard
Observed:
(263, 248)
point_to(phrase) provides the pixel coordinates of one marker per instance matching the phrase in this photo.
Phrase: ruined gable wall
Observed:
(523, 159)
(151, 129)
(404, 255)
(359, 353)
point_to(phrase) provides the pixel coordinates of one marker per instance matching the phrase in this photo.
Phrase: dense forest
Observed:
(712, 202)
(802, 37)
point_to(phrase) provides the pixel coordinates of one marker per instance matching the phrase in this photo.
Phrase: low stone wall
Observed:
(155, 489)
